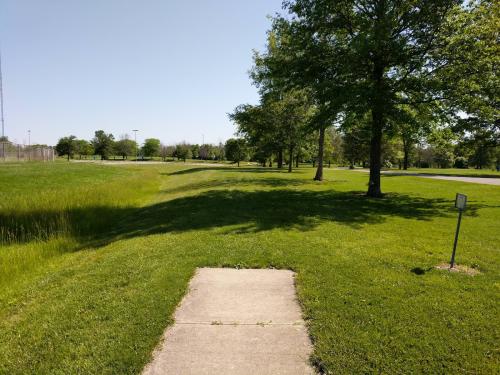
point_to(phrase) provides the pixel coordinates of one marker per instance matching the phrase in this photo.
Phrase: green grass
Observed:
(99, 301)
(49, 209)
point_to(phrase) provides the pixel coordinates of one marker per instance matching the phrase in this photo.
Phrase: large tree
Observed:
(66, 146)
(83, 148)
(236, 150)
(277, 125)
(183, 151)
(103, 144)
(294, 60)
(471, 83)
(126, 147)
(261, 126)
(384, 51)
(151, 147)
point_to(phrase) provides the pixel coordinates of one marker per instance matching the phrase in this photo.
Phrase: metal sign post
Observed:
(460, 203)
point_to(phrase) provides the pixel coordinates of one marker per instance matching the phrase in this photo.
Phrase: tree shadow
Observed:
(239, 211)
(257, 211)
(233, 182)
(225, 169)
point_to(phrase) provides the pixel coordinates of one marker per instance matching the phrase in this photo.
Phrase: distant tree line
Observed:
(105, 146)
(438, 148)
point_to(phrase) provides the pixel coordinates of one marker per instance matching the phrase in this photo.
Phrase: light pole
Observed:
(136, 148)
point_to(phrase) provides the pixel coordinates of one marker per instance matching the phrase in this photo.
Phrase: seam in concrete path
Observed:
(238, 322)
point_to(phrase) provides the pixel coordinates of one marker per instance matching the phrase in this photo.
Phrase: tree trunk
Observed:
(406, 151)
(290, 162)
(374, 189)
(377, 109)
(405, 160)
(321, 144)
(280, 158)
(297, 161)
(238, 163)
(271, 162)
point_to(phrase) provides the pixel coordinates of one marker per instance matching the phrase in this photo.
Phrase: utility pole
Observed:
(136, 146)
(1, 99)
(1, 109)
(29, 144)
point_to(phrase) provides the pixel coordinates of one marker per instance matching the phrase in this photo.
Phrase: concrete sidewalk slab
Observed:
(472, 180)
(236, 322)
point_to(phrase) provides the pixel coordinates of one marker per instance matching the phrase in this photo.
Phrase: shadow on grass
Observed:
(256, 211)
(226, 169)
(224, 184)
(241, 211)
(420, 271)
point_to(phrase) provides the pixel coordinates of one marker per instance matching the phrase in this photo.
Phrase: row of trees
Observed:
(383, 73)
(441, 148)
(105, 146)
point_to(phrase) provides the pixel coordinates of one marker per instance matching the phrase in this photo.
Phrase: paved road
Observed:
(474, 180)
(236, 322)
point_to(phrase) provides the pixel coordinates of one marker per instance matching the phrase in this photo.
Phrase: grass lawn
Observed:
(95, 258)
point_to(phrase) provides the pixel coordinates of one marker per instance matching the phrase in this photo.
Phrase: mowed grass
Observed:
(365, 267)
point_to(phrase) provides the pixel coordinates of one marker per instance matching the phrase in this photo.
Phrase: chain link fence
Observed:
(10, 152)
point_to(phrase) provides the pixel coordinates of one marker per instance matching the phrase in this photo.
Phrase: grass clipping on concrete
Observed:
(95, 259)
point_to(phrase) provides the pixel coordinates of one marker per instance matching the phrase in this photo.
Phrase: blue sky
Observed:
(172, 69)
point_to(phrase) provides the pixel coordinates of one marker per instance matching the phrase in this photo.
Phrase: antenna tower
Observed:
(1, 99)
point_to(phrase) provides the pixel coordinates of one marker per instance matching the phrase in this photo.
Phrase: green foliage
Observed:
(66, 146)
(125, 147)
(401, 63)
(183, 151)
(470, 79)
(83, 148)
(441, 141)
(260, 127)
(103, 144)
(151, 147)
(236, 150)
(356, 140)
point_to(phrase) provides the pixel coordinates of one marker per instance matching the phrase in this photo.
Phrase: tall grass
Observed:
(41, 215)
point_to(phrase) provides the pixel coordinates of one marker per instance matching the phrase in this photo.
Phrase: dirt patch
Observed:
(458, 268)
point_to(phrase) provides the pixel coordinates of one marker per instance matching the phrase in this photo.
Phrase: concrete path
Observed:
(238, 322)
(474, 180)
